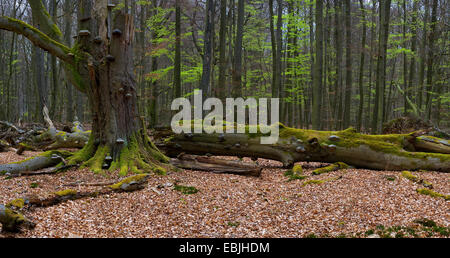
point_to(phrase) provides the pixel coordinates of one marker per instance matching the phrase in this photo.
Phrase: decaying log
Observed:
(13, 221)
(382, 152)
(55, 139)
(431, 144)
(215, 165)
(45, 171)
(44, 160)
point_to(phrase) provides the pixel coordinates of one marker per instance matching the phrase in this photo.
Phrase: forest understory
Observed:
(348, 203)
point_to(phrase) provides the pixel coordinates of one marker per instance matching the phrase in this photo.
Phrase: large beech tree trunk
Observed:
(386, 152)
(100, 65)
(117, 130)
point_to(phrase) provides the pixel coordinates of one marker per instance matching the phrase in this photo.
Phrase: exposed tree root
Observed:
(138, 156)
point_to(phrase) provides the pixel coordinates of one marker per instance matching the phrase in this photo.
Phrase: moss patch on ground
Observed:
(185, 189)
(295, 173)
(330, 168)
(432, 193)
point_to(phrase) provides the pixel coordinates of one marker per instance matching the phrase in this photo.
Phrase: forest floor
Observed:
(362, 203)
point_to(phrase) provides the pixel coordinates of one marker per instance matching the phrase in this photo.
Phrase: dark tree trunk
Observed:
(205, 83)
(430, 60)
(177, 65)
(361, 66)
(101, 66)
(237, 66)
(348, 63)
(377, 121)
(274, 51)
(117, 130)
(221, 93)
(317, 83)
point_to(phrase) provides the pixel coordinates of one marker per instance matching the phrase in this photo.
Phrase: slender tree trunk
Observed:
(68, 41)
(177, 65)
(423, 55)
(405, 64)
(338, 84)
(361, 66)
(430, 60)
(279, 62)
(348, 64)
(274, 51)
(222, 50)
(205, 84)
(371, 60)
(412, 67)
(385, 7)
(317, 83)
(237, 67)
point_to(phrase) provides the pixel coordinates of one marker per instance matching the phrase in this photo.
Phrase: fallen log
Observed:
(411, 151)
(381, 152)
(54, 139)
(13, 221)
(215, 165)
(44, 160)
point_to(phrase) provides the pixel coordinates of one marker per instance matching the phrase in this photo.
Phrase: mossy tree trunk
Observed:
(385, 152)
(101, 65)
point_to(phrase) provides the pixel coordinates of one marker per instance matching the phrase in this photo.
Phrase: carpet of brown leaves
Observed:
(230, 205)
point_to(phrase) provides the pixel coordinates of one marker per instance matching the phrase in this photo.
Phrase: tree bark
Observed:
(177, 62)
(215, 165)
(348, 64)
(317, 83)
(377, 120)
(361, 66)
(205, 83)
(430, 60)
(274, 51)
(237, 66)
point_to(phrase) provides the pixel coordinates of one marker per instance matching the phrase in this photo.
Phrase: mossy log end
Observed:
(381, 152)
(13, 221)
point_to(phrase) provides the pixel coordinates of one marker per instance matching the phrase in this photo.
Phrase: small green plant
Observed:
(185, 189)
(312, 235)
(233, 223)
(34, 185)
(390, 178)
(426, 222)
(408, 175)
(295, 173)
(369, 232)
